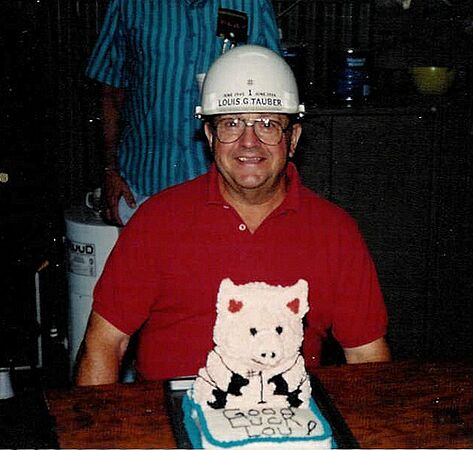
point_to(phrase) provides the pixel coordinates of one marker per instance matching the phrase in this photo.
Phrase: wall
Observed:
(405, 175)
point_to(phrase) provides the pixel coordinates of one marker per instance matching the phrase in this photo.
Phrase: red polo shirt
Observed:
(164, 272)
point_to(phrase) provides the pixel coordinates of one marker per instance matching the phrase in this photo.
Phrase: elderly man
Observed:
(249, 219)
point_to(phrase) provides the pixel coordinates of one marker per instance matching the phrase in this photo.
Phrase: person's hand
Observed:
(115, 187)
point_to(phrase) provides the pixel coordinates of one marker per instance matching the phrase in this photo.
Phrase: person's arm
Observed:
(101, 353)
(375, 351)
(115, 185)
(112, 104)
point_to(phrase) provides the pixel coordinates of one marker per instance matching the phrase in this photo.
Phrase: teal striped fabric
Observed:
(154, 49)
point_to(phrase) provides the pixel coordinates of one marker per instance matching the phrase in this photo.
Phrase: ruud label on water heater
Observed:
(81, 258)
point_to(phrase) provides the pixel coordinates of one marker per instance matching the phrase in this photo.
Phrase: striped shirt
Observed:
(154, 49)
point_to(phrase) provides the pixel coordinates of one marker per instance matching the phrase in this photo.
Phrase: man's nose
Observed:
(249, 138)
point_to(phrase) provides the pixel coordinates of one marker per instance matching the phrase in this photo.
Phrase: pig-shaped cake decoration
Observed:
(256, 359)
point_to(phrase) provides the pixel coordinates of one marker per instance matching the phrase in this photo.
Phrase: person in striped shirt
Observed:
(148, 55)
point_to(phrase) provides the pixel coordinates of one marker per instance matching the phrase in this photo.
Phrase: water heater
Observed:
(89, 241)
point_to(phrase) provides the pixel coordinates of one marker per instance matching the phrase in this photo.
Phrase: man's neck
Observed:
(253, 205)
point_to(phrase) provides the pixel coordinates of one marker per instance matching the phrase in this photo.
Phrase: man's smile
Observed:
(250, 159)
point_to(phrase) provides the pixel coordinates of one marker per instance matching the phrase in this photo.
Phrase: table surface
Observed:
(385, 405)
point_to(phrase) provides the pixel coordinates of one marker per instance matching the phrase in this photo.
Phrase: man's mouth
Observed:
(250, 159)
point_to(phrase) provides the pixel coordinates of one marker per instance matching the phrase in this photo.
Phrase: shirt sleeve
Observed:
(127, 289)
(359, 314)
(107, 61)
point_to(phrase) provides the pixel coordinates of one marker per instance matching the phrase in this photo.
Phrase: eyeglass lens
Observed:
(268, 131)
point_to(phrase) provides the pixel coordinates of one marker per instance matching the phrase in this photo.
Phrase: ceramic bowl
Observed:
(433, 80)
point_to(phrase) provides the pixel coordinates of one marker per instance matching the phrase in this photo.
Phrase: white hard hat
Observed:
(248, 79)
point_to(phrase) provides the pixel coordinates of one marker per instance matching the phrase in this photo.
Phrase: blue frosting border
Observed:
(188, 405)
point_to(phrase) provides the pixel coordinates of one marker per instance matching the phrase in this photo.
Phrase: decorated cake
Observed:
(254, 391)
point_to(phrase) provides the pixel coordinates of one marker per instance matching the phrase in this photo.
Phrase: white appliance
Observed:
(89, 241)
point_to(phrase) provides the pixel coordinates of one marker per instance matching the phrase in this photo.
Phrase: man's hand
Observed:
(115, 187)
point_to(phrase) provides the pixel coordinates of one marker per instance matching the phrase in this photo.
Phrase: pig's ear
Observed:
(301, 292)
(225, 291)
(234, 306)
(226, 284)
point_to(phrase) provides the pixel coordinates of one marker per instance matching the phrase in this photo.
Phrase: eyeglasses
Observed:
(230, 129)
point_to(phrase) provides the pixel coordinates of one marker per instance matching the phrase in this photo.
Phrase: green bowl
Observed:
(433, 80)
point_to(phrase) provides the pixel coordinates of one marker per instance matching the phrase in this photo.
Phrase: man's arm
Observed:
(373, 352)
(101, 353)
(112, 103)
(115, 186)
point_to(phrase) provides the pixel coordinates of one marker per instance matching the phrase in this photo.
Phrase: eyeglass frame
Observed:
(250, 123)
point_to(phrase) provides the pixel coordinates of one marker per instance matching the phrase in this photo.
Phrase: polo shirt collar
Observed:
(291, 202)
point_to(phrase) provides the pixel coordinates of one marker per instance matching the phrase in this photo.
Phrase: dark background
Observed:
(400, 163)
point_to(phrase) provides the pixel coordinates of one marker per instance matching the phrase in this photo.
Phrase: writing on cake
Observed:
(269, 422)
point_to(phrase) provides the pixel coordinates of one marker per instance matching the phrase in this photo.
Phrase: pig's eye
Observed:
(279, 330)
(253, 331)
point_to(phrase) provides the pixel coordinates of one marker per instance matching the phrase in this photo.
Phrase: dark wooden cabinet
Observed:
(405, 175)
(454, 234)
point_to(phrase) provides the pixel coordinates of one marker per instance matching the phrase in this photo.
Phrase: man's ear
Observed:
(209, 134)
(295, 135)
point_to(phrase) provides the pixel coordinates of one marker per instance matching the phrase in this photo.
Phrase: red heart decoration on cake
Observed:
(294, 305)
(234, 305)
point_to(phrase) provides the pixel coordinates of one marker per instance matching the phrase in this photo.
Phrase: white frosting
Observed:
(258, 335)
(254, 391)
(263, 427)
